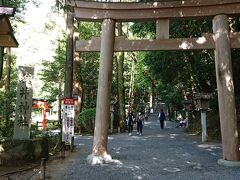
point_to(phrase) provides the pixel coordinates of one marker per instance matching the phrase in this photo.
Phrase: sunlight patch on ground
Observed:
(194, 164)
(159, 135)
(171, 169)
(147, 123)
(137, 167)
(172, 136)
(117, 150)
(214, 154)
(81, 144)
(186, 154)
(209, 146)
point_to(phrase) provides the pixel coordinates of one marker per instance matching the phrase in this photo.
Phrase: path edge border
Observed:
(228, 163)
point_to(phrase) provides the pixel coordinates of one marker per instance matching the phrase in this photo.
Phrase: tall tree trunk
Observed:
(1, 52)
(7, 85)
(78, 83)
(1, 61)
(153, 93)
(77, 77)
(120, 81)
(69, 56)
(131, 89)
(104, 89)
(60, 104)
(69, 61)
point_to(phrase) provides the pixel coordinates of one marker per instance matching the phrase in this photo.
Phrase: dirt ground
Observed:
(31, 171)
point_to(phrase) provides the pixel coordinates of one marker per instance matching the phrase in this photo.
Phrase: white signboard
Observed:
(68, 121)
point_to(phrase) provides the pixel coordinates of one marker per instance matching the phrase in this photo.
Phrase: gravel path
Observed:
(156, 155)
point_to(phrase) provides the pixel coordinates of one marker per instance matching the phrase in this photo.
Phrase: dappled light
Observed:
(195, 165)
(172, 136)
(171, 169)
(186, 45)
(201, 40)
(236, 133)
(1, 148)
(229, 81)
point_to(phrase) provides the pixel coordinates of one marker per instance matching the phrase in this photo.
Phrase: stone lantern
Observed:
(202, 105)
(187, 104)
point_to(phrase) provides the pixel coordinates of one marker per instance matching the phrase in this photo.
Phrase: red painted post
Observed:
(44, 122)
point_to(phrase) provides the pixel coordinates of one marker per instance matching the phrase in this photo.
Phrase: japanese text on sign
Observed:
(68, 120)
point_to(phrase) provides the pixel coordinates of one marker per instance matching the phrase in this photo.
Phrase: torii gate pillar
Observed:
(104, 90)
(226, 99)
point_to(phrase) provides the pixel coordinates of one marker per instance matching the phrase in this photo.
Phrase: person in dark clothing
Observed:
(130, 119)
(140, 121)
(182, 123)
(161, 117)
(146, 115)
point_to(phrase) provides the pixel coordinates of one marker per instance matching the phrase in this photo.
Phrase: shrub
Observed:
(86, 119)
(4, 130)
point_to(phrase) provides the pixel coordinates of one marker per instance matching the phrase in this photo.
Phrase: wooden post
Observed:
(104, 88)
(226, 99)
(42, 169)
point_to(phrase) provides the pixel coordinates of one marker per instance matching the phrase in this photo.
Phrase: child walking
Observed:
(140, 121)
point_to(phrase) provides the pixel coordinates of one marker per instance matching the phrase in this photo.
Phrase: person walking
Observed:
(140, 121)
(130, 118)
(146, 115)
(161, 117)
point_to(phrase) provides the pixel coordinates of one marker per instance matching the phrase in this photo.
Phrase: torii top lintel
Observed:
(189, 9)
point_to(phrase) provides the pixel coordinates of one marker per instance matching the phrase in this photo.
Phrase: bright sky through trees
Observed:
(35, 44)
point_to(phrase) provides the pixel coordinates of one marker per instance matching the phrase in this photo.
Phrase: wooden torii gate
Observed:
(221, 40)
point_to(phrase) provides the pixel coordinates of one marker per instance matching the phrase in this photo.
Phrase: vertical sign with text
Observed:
(68, 120)
(24, 103)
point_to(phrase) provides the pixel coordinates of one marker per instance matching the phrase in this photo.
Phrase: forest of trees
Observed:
(166, 76)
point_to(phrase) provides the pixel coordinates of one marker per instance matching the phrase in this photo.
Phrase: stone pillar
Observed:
(226, 99)
(187, 117)
(104, 88)
(204, 126)
(162, 29)
(23, 111)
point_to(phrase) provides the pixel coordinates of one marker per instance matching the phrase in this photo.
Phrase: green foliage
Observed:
(89, 64)
(86, 115)
(177, 72)
(8, 102)
(6, 130)
(89, 73)
(143, 29)
(86, 119)
(53, 72)
(88, 30)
